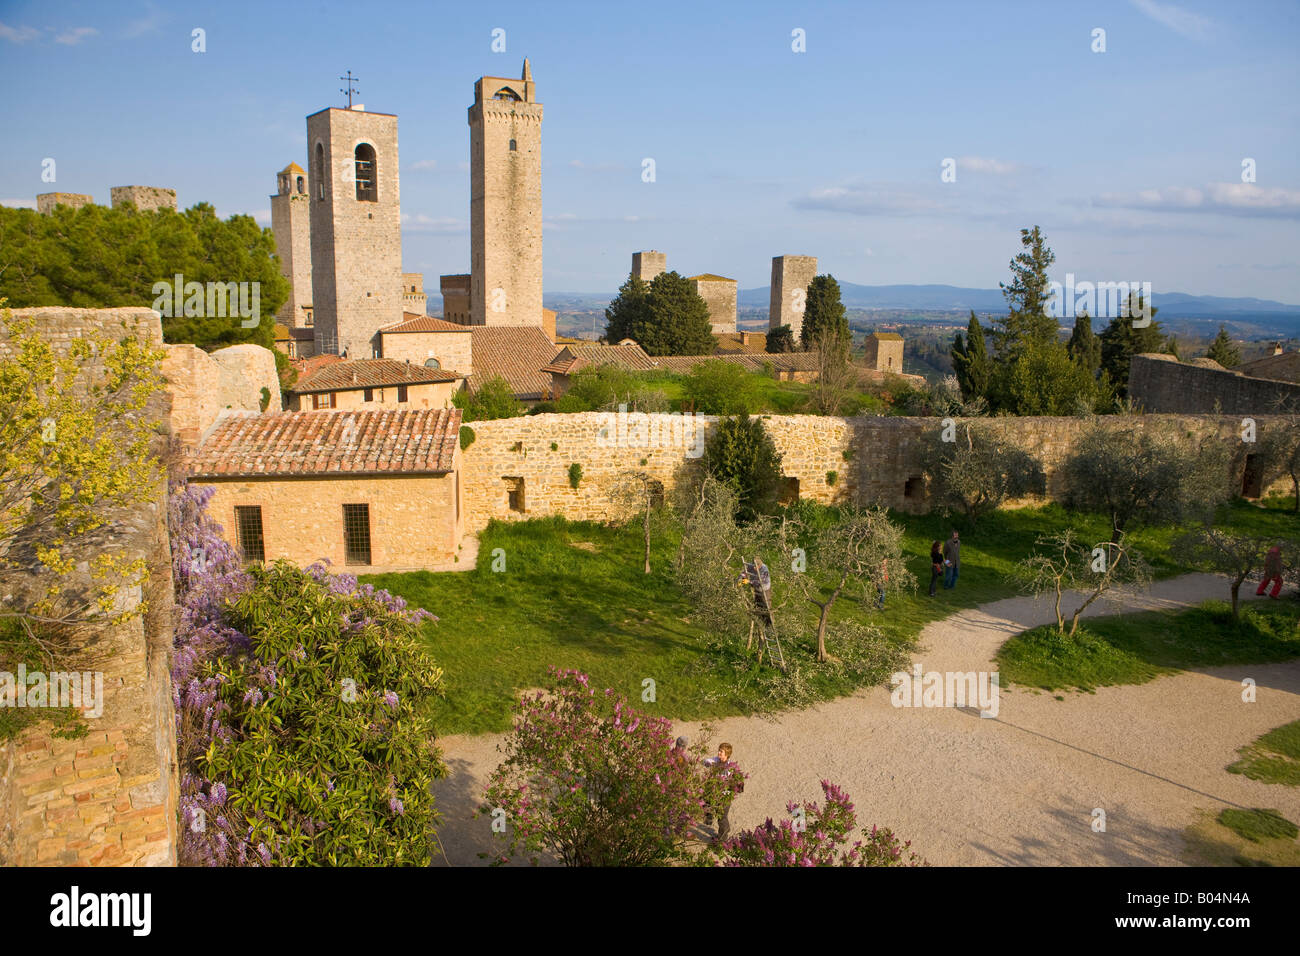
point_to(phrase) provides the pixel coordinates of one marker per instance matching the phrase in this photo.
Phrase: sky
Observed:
(1131, 158)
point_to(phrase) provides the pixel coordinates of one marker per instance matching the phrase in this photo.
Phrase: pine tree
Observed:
(970, 361)
(1120, 341)
(824, 311)
(1027, 319)
(1083, 346)
(1223, 351)
(780, 339)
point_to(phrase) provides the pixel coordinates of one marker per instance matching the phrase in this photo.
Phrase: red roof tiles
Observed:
(369, 373)
(249, 445)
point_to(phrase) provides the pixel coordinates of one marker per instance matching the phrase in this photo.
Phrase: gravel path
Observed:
(1017, 789)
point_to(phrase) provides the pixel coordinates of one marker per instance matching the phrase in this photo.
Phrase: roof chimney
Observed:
(1277, 348)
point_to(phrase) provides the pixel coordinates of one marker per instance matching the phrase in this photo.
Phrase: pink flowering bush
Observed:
(301, 733)
(592, 781)
(817, 839)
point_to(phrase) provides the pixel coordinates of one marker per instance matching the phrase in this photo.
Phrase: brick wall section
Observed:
(109, 798)
(1163, 384)
(873, 459)
(45, 202)
(145, 198)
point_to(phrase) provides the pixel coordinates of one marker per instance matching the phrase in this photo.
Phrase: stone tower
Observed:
(144, 198)
(291, 224)
(356, 230)
(648, 264)
(505, 205)
(789, 290)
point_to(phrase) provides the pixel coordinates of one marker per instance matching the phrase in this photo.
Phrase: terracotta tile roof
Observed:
(1284, 367)
(413, 322)
(312, 363)
(576, 356)
(280, 332)
(517, 353)
(369, 373)
(731, 342)
(246, 444)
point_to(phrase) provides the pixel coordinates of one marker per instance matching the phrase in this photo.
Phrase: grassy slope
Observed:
(557, 604)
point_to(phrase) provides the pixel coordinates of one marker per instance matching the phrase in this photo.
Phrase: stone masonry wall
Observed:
(875, 460)
(202, 386)
(720, 296)
(1163, 384)
(145, 198)
(109, 798)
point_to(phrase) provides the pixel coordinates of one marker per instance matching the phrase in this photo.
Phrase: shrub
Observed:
(741, 453)
(607, 387)
(979, 470)
(816, 836)
(493, 399)
(592, 781)
(266, 397)
(716, 387)
(467, 437)
(575, 475)
(832, 477)
(299, 699)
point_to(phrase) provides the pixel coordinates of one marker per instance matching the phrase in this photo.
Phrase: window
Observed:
(432, 363)
(913, 487)
(302, 185)
(512, 146)
(369, 395)
(367, 174)
(789, 491)
(401, 393)
(248, 532)
(356, 534)
(318, 172)
(307, 317)
(322, 400)
(515, 494)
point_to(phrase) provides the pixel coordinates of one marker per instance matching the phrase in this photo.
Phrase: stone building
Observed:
(45, 202)
(367, 490)
(429, 341)
(648, 264)
(413, 297)
(789, 291)
(884, 352)
(368, 383)
(719, 294)
(144, 198)
(456, 298)
(356, 231)
(506, 202)
(291, 225)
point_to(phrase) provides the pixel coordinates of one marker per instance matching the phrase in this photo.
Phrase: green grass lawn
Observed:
(573, 596)
(1273, 758)
(1136, 648)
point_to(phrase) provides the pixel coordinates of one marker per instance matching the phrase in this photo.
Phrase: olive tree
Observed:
(1062, 563)
(974, 468)
(1230, 553)
(1150, 475)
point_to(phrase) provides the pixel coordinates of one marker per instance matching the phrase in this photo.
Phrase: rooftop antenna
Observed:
(349, 89)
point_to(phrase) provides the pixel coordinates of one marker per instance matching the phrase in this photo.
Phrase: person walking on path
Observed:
(722, 764)
(1272, 572)
(936, 565)
(951, 560)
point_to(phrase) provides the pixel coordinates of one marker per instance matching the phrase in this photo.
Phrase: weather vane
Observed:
(349, 89)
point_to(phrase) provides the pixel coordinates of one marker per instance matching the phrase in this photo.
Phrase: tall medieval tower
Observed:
(505, 146)
(291, 225)
(356, 229)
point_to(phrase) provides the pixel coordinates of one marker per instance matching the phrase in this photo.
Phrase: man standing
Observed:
(951, 560)
(1272, 572)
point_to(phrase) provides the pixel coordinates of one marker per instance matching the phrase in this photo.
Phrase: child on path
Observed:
(1272, 572)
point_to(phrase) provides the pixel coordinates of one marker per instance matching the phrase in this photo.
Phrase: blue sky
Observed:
(1130, 160)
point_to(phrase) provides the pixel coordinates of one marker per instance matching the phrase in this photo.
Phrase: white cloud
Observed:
(1183, 22)
(424, 164)
(1233, 199)
(984, 164)
(873, 199)
(18, 34)
(75, 35)
(148, 23)
(18, 203)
